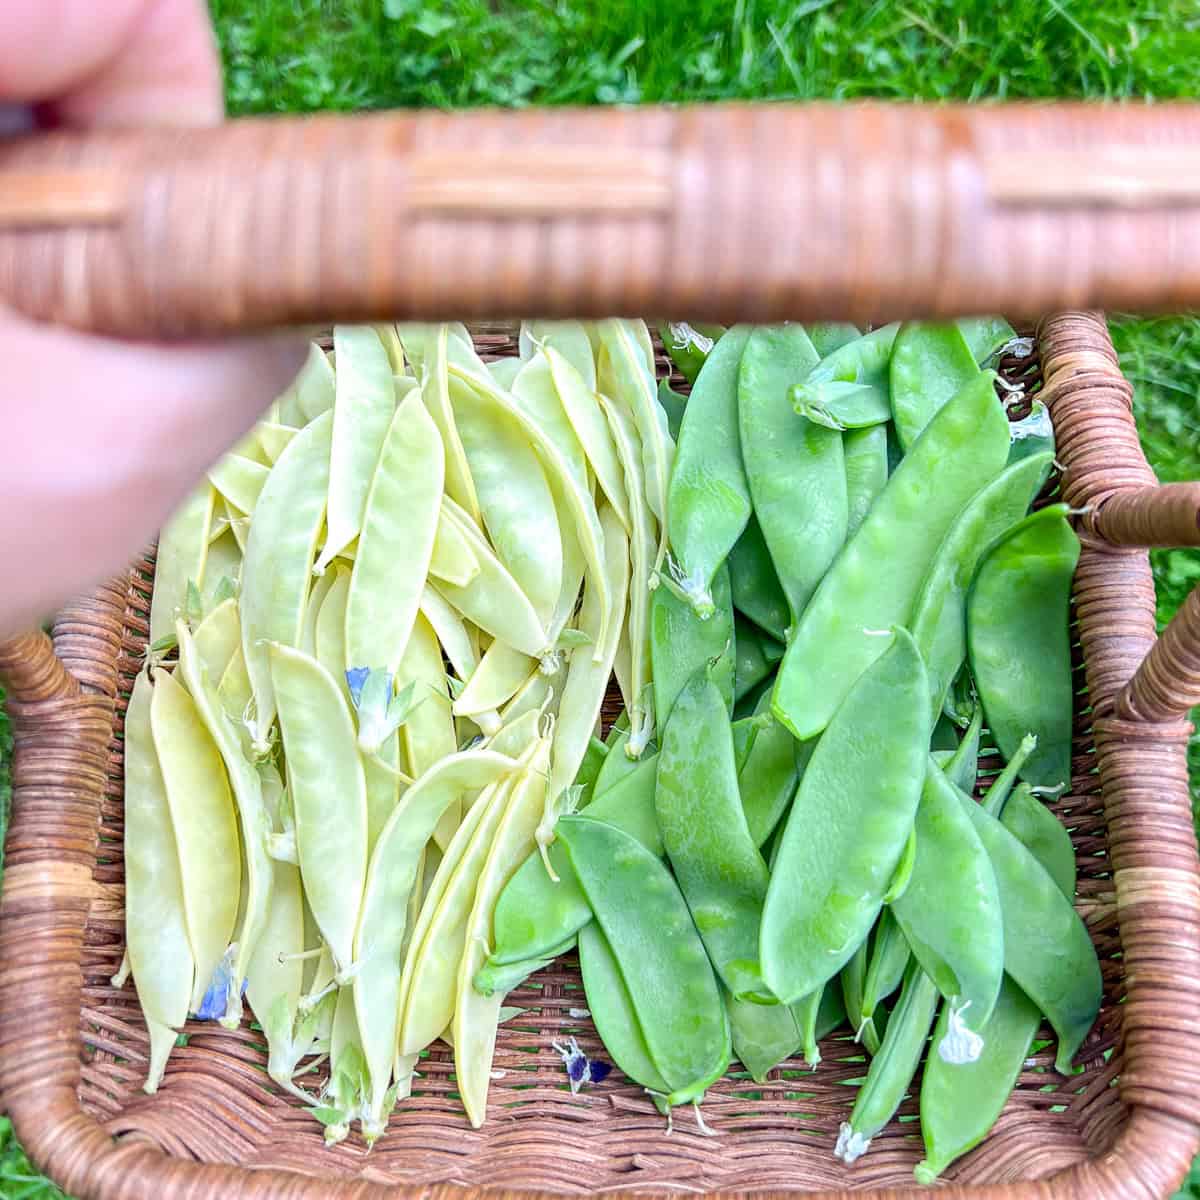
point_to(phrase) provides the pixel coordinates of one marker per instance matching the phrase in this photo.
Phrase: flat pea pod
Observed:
(1047, 949)
(589, 768)
(682, 643)
(671, 983)
(399, 522)
(239, 480)
(841, 405)
(204, 822)
(852, 978)
(689, 346)
(886, 965)
(1043, 835)
(617, 764)
(278, 565)
(857, 368)
(673, 404)
(985, 336)
(363, 405)
(767, 781)
(850, 820)
(755, 656)
(763, 1035)
(452, 559)
(217, 637)
(864, 452)
(951, 915)
(429, 347)
(939, 612)
(829, 336)
(1019, 642)
(156, 937)
(568, 340)
(704, 830)
(182, 552)
(963, 764)
(329, 796)
(452, 633)
(274, 436)
(497, 678)
(490, 979)
(312, 610)
(874, 581)
(931, 364)
(314, 387)
(757, 592)
(709, 497)
(795, 468)
(329, 628)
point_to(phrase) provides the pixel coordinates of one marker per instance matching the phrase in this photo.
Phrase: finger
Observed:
(103, 439)
(121, 62)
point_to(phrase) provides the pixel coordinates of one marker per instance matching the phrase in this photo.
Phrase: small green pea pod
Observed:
(767, 780)
(960, 701)
(673, 404)
(852, 979)
(829, 336)
(755, 657)
(963, 765)
(689, 345)
(160, 954)
(745, 732)
(850, 820)
(951, 915)
(874, 582)
(183, 548)
(364, 402)
(841, 405)
(862, 362)
(708, 500)
(931, 364)
(1042, 834)
(1047, 949)
(490, 979)
(589, 768)
(617, 764)
(807, 1011)
(720, 871)
(757, 592)
(939, 612)
(864, 452)
(885, 967)
(1019, 642)
(671, 984)
(1033, 435)
(985, 336)
(795, 468)
(893, 1066)
(763, 1035)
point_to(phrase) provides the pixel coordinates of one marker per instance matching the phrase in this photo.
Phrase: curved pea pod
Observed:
(757, 592)
(670, 981)
(931, 364)
(864, 452)
(841, 405)
(850, 820)
(1047, 950)
(708, 500)
(682, 643)
(1019, 641)
(767, 780)
(829, 336)
(795, 467)
(222, 571)
(874, 582)
(1043, 835)
(1033, 435)
(274, 437)
(673, 404)
(963, 764)
(239, 480)
(985, 336)
(951, 916)
(278, 563)
(498, 677)
(567, 339)
(395, 543)
(205, 825)
(364, 402)
(857, 368)
(886, 965)
(252, 814)
(314, 387)
(180, 558)
(329, 628)
(452, 633)
(491, 979)
(312, 611)
(217, 637)
(763, 1035)
(939, 612)
(328, 793)
(852, 979)
(476, 1016)
(689, 346)
(755, 656)
(156, 936)
(452, 559)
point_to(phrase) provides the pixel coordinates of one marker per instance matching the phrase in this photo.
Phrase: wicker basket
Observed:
(73, 1050)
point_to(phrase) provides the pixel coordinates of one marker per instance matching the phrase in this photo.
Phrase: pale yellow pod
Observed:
(429, 345)
(451, 631)
(312, 608)
(453, 560)
(224, 563)
(500, 674)
(274, 438)
(329, 631)
(234, 691)
(568, 340)
(217, 637)
(239, 480)
(314, 386)
(182, 553)
(237, 523)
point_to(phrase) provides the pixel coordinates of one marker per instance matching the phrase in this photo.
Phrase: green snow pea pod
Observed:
(617, 764)
(796, 470)
(704, 830)
(1019, 641)
(763, 1035)
(863, 361)
(708, 500)
(1047, 950)
(963, 765)
(841, 405)
(931, 364)
(939, 613)
(156, 936)
(329, 795)
(490, 979)
(885, 967)
(850, 820)
(767, 780)
(673, 404)
(755, 656)
(893, 1066)
(364, 402)
(875, 580)
(181, 557)
(985, 336)
(829, 336)
(589, 768)
(682, 643)
(671, 984)
(277, 569)
(1033, 435)
(1042, 834)
(865, 454)
(757, 592)
(689, 345)
(851, 980)
(807, 1011)
(951, 917)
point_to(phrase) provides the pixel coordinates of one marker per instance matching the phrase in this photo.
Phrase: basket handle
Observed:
(753, 212)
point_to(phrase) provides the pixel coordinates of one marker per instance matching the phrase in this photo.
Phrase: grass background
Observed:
(302, 55)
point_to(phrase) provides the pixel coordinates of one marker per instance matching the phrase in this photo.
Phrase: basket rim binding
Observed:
(62, 696)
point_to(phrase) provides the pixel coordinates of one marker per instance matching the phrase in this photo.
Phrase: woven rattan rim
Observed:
(1127, 1127)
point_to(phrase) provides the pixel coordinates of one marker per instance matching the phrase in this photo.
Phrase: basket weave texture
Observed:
(73, 1049)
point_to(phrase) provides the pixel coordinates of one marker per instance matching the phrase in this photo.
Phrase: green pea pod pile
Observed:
(819, 585)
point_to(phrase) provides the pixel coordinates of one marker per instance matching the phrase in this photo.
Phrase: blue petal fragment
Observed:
(600, 1070)
(356, 677)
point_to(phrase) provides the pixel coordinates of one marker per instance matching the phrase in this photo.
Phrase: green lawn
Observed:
(300, 55)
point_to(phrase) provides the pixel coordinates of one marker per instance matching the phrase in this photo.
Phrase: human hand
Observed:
(100, 439)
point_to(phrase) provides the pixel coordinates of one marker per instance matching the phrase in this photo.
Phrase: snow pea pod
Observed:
(704, 830)
(796, 469)
(239, 480)
(757, 592)
(828, 336)
(886, 964)
(673, 404)
(862, 362)
(568, 340)
(985, 336)
(841, 406)
(755, 656)
(1042, 834)
(274, 437)
(452, 633)
(874, 581)
(763, 1035)
(852, 979)
(1019, 641)
(314, 388)
(182, 553)
(217, 637)
(156, 936)
(329, 628)
(428, 346)
(277, 568)
(689, 346)
(491, 979)
(851, 817)
(939, 612)
(499, 675)
(931, 364)
(363, 406)
(864, 452)
(671, 983)
(709, 497)
(767, 781)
